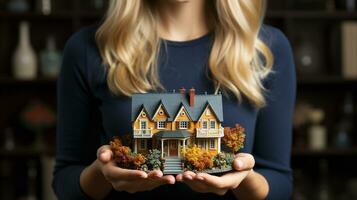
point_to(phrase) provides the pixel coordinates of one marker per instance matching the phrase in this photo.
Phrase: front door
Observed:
(173, 148)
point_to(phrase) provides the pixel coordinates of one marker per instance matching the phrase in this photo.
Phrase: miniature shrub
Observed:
(123, 156)
(197, 159)
(153, 161)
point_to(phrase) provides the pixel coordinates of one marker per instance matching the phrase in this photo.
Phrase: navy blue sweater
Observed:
(89, 115)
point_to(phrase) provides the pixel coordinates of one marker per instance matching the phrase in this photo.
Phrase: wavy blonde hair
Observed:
(239, 61)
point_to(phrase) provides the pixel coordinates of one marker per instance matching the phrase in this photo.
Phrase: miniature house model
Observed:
(171, 121)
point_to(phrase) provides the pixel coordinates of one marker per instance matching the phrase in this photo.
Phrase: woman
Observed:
(152, 45)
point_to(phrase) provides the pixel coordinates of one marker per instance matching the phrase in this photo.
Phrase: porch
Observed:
(172, 142)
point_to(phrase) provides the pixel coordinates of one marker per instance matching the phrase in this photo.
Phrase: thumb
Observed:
(243, 161)
(104, 154)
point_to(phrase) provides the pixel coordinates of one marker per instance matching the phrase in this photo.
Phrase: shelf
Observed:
(25, 152)
(299, 14)
(327, 82)
(10, 81)
(332, 152)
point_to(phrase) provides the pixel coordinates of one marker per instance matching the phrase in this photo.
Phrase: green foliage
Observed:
(223, 160)
(153, 159)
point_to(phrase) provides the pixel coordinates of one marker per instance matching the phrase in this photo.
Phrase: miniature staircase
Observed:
(173, 166)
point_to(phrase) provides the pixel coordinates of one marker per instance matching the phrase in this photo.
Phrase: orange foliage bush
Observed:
(234, 137)
(197, 158)
(123, 156)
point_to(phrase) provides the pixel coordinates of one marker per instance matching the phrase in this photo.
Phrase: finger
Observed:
(104, 153)
(155, 174)
(179, 177)
(227, 181)
(169, 179)
(188, 175)
(243, 161)
(120, 174)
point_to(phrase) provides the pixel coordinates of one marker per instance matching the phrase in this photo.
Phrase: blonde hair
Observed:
(239, 60)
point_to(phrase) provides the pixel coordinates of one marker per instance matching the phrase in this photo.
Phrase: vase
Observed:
(50, 59)
(24, 59)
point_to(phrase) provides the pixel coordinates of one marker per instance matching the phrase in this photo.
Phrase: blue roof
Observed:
(172, 102)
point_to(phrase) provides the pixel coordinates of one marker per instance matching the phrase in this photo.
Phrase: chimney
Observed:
(192, 97)
(182, 91)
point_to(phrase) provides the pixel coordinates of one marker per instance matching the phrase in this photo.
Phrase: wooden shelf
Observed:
(332, 152)
(327, 82)
(299, 14)
(25, 152)
(6, 81)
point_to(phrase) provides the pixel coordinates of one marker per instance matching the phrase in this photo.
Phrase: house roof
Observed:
(173, 134)
(172, 102)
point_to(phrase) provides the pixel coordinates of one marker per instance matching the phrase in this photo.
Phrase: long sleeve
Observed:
(272, 145)
(76, 144)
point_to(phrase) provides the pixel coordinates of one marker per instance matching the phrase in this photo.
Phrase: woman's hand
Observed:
(204, 183)
(129, 180)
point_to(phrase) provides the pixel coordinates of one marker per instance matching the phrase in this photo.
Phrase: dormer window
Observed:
(183, 124)
(212, 124)
(204, 124)
(161, 124)
(208, 112)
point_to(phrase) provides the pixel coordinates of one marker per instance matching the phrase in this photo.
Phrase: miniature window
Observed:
(212, 144)
(201, 143)
(204, 124)
(143, 124)
(212, 124)
(161, 124)
(208, 112)
(143, 144)
(183, 125)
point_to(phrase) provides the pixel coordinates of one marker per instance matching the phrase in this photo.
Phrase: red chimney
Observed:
(192, 97)
(182, 91)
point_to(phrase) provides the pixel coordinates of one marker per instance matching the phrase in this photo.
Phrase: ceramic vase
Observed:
(24, 58)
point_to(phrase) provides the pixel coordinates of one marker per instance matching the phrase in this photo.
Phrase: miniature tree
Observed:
(234, 137)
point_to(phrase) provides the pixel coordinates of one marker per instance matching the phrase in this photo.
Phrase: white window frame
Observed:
(158, 125)
(181, 123)
(212, 144)
(210, 124)
(143, 142)
(206, 123)
(141, 123)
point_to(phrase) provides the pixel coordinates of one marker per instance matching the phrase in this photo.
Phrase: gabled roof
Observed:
(157, 108)
(172, 102)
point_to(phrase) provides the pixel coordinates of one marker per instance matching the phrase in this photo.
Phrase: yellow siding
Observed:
(150, 124)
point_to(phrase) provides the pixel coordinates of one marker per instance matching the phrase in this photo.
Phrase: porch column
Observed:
(162, 148)
(219, 145)
(135, 145)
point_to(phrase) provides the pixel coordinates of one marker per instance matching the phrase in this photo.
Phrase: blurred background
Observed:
(323, 34)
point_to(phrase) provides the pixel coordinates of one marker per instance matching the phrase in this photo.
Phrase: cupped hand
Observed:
(202, 182)
(131, 181)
